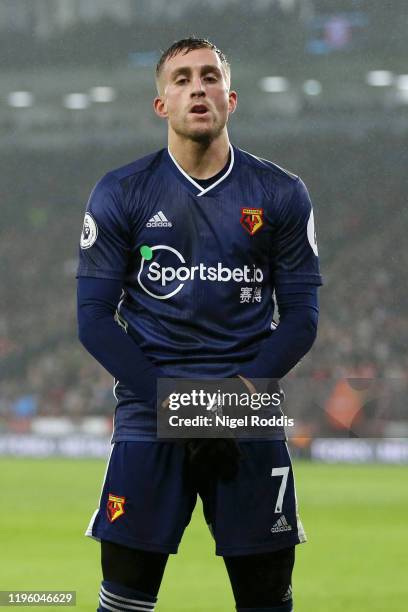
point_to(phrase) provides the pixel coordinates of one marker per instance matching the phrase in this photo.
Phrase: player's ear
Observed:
(232, 101)
(160, 108)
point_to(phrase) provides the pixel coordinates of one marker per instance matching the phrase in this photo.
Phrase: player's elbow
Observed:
(300, 325)
(84, 333)
(308, 328)
(87, 329)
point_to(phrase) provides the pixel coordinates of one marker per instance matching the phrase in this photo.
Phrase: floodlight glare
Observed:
(102, 94)
(20, 99)
(402, 82)
(311, 87)
(274, 84)
(76, 101)
(379, 78)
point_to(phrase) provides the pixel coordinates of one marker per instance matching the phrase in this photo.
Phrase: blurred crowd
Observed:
(359, 191)
(44, 33)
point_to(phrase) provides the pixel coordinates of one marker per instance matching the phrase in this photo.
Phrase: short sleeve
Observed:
(105, 243)
(295, 248)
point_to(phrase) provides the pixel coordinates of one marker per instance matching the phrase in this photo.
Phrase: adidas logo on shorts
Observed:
(281, 525)
(159, 220)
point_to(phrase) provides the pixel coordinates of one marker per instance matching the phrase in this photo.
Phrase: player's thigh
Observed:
(146, 501)
(257, 511)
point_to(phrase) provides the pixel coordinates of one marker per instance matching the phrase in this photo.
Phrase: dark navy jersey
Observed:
(198, 265)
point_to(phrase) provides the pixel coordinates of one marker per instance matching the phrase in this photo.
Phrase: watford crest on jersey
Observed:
(115, 507)
(251, 219)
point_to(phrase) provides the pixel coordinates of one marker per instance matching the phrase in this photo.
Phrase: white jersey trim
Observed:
(203, 190)
(300, 530)
(88, 532)
(115, 384)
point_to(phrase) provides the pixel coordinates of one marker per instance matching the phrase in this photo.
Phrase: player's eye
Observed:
(181, 81)
(210, 78)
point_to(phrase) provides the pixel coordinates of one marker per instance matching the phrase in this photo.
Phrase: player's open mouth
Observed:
(199, 109)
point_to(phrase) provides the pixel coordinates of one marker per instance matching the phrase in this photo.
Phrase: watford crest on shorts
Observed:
(251, 219)
(115, 507)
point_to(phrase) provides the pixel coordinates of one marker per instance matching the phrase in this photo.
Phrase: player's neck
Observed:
(201, 160)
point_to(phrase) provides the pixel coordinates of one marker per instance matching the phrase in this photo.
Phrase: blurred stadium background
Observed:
(323, 91)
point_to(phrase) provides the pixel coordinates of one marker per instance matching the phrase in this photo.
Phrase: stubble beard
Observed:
(204, 137)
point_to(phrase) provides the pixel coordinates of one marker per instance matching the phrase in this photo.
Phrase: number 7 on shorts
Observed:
(284, 472)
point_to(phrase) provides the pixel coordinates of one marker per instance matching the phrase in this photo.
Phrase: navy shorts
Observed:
(147, 501)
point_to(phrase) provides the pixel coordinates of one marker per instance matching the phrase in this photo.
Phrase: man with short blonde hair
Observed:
(182, 255)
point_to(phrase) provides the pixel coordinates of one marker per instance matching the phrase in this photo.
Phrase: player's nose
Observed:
(197, 87)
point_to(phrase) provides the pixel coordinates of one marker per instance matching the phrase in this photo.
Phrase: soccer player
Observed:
(181, 255)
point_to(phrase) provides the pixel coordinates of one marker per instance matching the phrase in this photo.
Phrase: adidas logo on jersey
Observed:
(159, 220)
(281, 525)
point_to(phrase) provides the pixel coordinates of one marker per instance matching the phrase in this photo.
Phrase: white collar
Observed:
(203, 190)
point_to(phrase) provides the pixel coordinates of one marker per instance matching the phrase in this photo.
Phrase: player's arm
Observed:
(296, 280)
(104, 254)
(105, 340)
